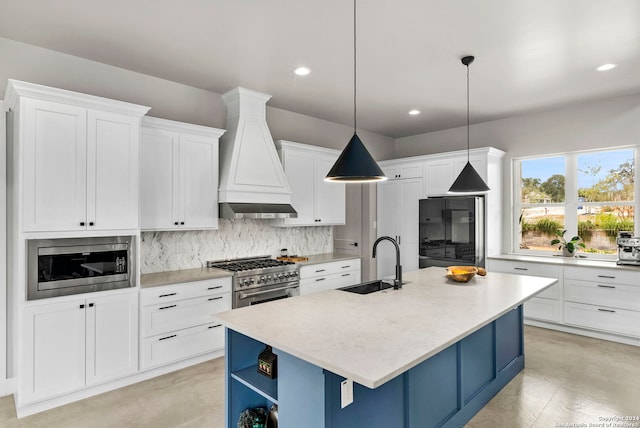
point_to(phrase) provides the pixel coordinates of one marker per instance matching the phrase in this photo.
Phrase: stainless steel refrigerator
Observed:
(451, 231)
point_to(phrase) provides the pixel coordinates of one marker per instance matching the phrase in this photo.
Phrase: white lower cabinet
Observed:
(604, 300)
(78, 343)
(329, 276)
(176, 320)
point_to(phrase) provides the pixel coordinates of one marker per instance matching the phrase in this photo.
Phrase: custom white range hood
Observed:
(252, 181)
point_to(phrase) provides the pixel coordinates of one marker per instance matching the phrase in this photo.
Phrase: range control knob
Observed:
(261, 279)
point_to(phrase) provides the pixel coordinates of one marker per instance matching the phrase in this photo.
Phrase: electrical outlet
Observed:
(346, 393)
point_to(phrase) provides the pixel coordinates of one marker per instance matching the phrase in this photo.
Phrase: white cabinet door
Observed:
(159, 150)
(54, 350)
(198, 182)
(299, 169)
(398, 211)
(410, 191)
(55, 166)
(330, 202)
(112, 171)
(112, 337)
(387, 224)
(402, 171)
(438, 176)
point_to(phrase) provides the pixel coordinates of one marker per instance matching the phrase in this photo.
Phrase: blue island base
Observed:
(446, 390)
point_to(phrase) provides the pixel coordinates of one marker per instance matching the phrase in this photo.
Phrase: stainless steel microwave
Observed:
(59, 267)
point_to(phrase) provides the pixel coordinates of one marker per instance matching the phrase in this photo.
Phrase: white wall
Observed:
(3, 256)
(168, 100)
(597, 124)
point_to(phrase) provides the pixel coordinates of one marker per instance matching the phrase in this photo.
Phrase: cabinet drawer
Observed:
(603, 276)
(603, 318)
(170, 293)
(543, 309)
(170, 316)
(526, 268)
(329, 282)
(330, 268)
(179, 345)
(597, 293)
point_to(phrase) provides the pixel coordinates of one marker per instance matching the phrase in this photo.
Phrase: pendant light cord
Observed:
(468, 146)
(355, 118)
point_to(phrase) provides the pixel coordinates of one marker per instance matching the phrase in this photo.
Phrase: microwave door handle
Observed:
(257, 293)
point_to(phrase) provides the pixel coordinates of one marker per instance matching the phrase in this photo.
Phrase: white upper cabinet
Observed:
(78, 155)
(441, 170)
(438, 176)
(403, 170)
(317, 202)
(179, 175)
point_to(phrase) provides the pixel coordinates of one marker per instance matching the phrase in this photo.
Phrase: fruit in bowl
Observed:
(461, 273)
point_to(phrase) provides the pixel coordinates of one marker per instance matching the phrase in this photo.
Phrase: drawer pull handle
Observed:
(606, 286)
(214, 326)
(214, 288)
(346, 274)
(167, 295)
(215, 298)
(519, 268)
(167, 307)
(320, 279)
(320, 270)
(606, 310)
(168, 337)
(345, 267)
(606, 276)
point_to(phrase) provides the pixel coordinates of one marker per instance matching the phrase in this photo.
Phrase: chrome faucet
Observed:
(397, 283)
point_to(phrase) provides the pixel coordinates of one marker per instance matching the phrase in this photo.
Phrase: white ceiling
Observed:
(530, 54)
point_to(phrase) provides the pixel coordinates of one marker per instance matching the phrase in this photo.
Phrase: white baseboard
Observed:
(584, 332)
(7, 387)
(40, 406)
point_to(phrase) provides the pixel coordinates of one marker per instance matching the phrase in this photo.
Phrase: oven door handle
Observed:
(257, 293)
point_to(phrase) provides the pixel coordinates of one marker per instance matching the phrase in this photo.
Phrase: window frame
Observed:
(571, 202)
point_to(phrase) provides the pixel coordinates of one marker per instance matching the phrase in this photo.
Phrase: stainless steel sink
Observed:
(367, 287)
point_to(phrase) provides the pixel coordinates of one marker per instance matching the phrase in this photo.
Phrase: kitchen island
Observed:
(430, 354)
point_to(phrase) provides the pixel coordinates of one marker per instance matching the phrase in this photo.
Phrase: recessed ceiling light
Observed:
(414, 112)
(605, 67)
(301, 71)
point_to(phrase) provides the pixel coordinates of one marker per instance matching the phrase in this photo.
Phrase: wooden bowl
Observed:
(461, 273)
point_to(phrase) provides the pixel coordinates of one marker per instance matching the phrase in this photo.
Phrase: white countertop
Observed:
(566, 261)
(373, 338)
(171, 277)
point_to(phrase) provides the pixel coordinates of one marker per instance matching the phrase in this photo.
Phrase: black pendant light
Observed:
(355, 164)
(469, 181)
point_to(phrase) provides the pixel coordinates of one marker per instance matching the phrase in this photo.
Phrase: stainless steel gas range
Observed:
(260, 279)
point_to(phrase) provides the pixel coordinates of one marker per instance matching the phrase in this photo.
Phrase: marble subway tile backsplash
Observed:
(162, 251)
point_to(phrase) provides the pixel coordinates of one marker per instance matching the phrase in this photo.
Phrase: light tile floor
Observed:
(568, 379)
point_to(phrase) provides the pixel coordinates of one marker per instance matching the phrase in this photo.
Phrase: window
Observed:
(590, 194)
